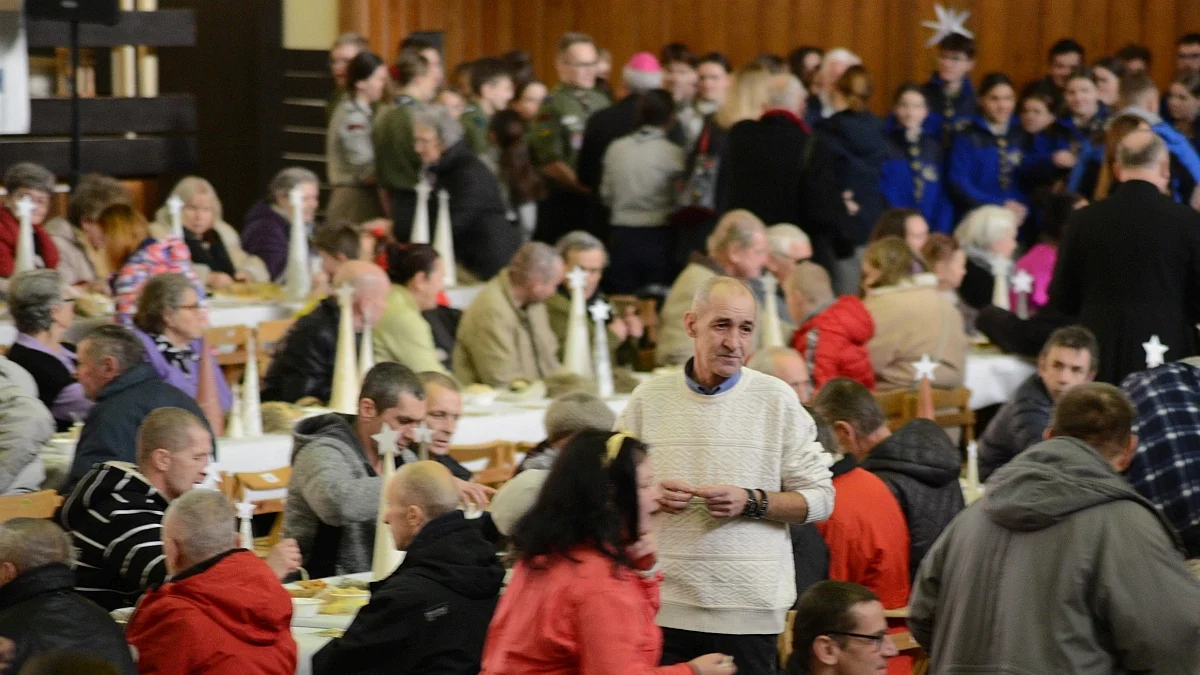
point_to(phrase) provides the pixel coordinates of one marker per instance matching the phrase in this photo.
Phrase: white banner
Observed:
(14, 70)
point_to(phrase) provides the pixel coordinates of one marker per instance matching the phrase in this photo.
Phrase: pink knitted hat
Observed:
(644, 62)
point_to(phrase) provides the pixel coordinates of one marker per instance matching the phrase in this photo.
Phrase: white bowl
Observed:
(304, 608)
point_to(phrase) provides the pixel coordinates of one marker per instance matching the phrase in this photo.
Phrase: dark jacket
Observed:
(1014, 335)
(443, 321)
(977, 285)
(50, 375)
(921, 466)
(858, 149)
(431, 615)
(1017, 427)
(1060, 568)
(1129, 268)
(777, 170)
(484, 240)
(115, 518)
(947, 115)
(265, 233)
(209, 250)
(303, 363)
(41, 613)
(110, 431)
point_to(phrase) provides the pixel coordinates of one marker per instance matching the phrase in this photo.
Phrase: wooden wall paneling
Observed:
(1124, 23)
(808, 21)
(775, 27)
(872, 45)
(839, 25)
(991, 44)
(1159, 36)
(1091, 26)
(684, 23)
(1021, 59)
(1187, 20)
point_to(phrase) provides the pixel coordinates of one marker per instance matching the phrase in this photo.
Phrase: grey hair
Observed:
(785, 91)
(387, 381)
(115, 341)
(161, 294)
(438, 118)
(1136, 153)
(433, 377)
(704, 293)
(205, 522)
(736, 227)
(285, 180)
(534, 261)
(191, 187)
(28, 175)
(426, 484)
(763, 360)
(29, 543)
(641, 80)
(780, 238)
(32, 298)
(578, 240)
(984, 226)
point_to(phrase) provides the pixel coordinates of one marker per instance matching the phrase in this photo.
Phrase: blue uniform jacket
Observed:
(948, 116)
(913, 175)
(984, 168)
(1087, 142)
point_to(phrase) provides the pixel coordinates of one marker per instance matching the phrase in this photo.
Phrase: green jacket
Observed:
(397, 164)
(475, 128)
(557, 133)
(404, 336)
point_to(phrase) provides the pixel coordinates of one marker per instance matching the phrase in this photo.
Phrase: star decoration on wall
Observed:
(1155, 350)
(923, 369)
(949, 22)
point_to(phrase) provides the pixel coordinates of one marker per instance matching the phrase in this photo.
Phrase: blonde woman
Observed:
(989, 236)
(217, 256)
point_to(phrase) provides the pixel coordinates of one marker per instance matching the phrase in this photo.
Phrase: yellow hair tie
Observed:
(613, 447)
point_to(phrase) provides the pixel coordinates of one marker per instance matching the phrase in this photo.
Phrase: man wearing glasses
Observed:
(948, 93)
(557, 134)
(839, 630)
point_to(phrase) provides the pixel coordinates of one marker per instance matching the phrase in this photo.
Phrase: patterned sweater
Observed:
(729, 576)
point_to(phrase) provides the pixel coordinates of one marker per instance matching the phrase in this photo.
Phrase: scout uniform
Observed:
(475, 128)
(350, 165)
(397, 164)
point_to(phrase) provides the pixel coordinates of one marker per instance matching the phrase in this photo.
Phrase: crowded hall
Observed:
(599, 337)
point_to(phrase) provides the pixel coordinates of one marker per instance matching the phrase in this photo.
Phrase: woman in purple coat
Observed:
(170, 321)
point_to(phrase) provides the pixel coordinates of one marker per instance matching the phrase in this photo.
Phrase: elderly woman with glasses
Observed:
(170, 322)
(484, 239)
(43, 310)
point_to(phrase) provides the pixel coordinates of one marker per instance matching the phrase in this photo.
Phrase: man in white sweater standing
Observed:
(739, 461)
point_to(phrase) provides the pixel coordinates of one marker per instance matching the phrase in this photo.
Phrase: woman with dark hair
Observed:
(1084, 121)
(1039, 261)
(349, 154)
(403, 335)
(913, 175)
(986, 157)
(908, 224)
(521, 183)
(584, 593)
(1107, 73)
(1183, 106)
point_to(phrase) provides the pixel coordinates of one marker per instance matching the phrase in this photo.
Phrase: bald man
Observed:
(431, 615)
(1129, 265)
(303, 363)
(786, 364)
(739, 459)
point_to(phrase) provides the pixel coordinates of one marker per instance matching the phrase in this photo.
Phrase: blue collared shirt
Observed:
(708, 391)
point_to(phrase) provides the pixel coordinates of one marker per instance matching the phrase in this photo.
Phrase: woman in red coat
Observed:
(26, 180)
(584, 594)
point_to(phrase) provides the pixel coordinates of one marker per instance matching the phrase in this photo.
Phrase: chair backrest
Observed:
(267, 337)
(235, 486)
(905, 644)
(784, 643)
(501, 461)
(952, 408)
(896, 407)
(228, 344)
(33, 505)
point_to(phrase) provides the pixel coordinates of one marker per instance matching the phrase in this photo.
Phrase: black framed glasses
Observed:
(876, 639)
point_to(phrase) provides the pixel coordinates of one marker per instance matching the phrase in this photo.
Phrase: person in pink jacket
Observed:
(584, 594)
(1039, 260)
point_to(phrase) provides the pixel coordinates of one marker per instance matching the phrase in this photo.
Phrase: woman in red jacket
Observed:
(584, 594)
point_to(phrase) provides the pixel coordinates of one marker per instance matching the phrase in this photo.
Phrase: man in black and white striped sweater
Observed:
(115, 513)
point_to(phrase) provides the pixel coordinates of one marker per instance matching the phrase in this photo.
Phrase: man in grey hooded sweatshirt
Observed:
(1062, 567)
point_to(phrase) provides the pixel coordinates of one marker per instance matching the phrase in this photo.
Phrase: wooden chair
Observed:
(905, 644)
(784, 643)
(952, 409)
(33, 505)
(897, 407)
(267, 336)
(501, 456)
(229, 344)
(235, 486)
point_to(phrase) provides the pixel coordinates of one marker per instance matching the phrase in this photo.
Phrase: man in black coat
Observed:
(431, 615)
(303, 362)
(775, 168)
(1129, 265)
(39, 610)
(918, 463)
(114, 374)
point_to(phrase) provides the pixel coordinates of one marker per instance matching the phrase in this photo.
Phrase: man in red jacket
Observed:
(833, 333)
(26, 180)
(223, 610)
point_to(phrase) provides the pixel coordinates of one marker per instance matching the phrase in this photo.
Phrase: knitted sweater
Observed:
(729, 576)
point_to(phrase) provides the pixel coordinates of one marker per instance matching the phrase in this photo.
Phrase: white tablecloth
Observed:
(222, 312)
(461, 296)
(993, 378)
(308, 642)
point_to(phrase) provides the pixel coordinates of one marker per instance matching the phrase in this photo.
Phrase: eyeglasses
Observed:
(876, 639)
(582, 64)
(195, 306)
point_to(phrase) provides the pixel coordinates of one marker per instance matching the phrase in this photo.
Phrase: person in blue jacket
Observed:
(1048, 157)
(949, 95)
(1083, 120)
(1139, 96)
(1183, 105)
(985, 157)
(912, 173)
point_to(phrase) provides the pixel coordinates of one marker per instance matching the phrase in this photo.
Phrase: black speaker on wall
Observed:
(83, 11)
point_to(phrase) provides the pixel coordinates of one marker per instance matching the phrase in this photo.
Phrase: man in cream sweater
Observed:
(739, 461)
